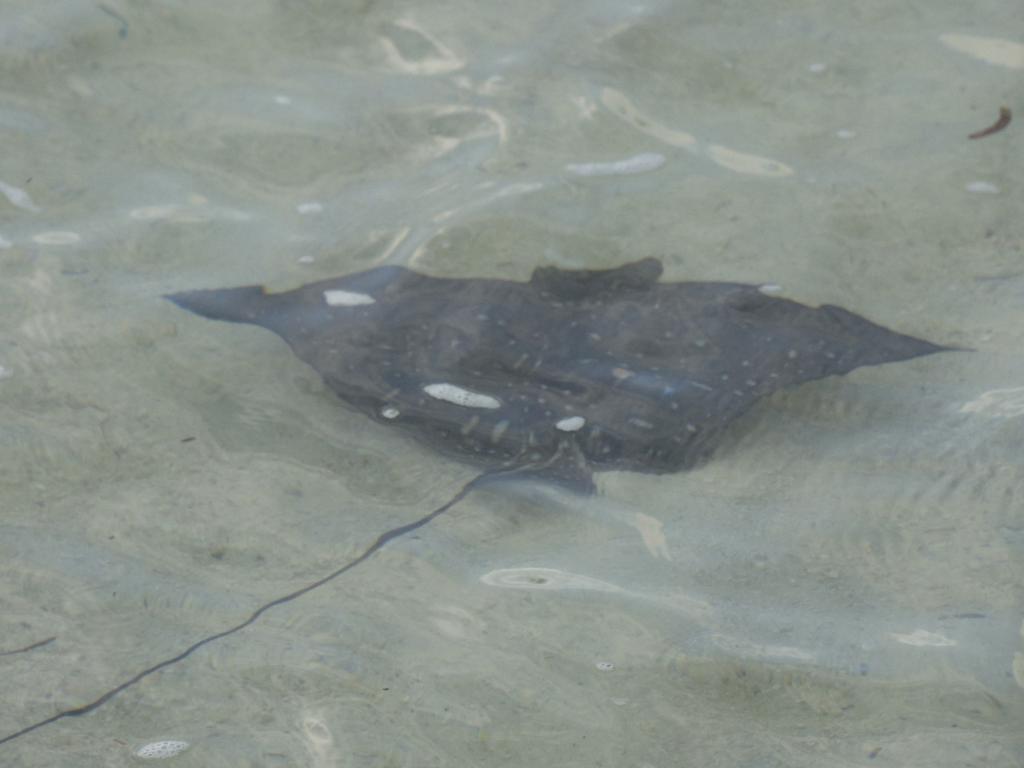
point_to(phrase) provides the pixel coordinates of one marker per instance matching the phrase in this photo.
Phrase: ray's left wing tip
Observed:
(238, 305)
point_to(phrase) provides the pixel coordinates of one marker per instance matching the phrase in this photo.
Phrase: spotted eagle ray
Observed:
(572, 372)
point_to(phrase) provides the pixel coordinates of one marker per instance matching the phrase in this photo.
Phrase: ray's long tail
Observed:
(380, 542)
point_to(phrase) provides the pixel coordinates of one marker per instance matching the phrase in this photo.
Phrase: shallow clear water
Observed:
(842, 584)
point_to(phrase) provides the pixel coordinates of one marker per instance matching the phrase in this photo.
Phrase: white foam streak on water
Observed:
(991, 50)
(998, 403)
(922, 638)
(545, 579)
(734, 160)
(57, 238)
(161, 750)
(18, 196)
(649, 161)
(440, 59)
(554, 580)
(752, 650)
(982, 187)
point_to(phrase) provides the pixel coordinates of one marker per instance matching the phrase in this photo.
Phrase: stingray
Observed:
(570, 373)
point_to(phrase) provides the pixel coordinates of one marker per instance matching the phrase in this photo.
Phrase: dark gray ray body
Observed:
(569, 373)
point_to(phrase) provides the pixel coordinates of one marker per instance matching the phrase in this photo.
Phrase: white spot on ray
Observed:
(390, 412)
(347, 298)
(456, 395)
(571, 424)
